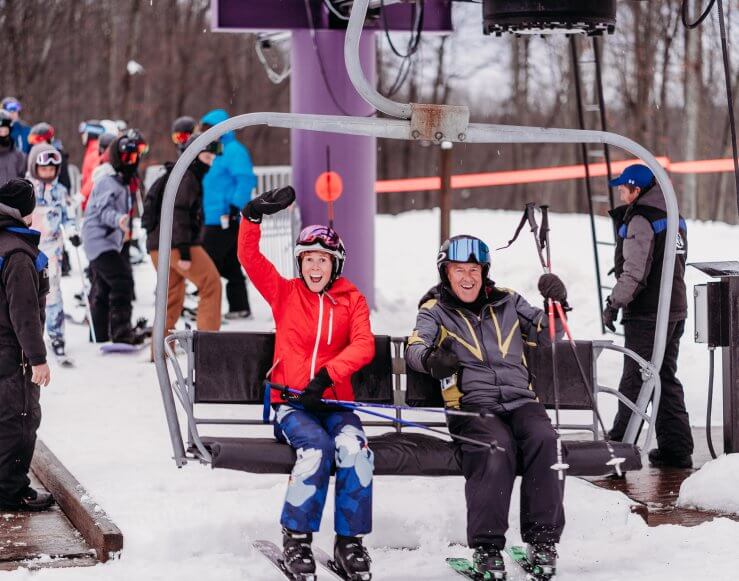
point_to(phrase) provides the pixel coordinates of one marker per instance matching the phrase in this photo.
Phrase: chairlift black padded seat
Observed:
(230, 368)
(406, 454)
(422, 390)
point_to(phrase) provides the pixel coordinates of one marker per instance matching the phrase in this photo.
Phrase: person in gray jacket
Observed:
(641, 228)
(470, 334)
(12, 161)
(105, 229)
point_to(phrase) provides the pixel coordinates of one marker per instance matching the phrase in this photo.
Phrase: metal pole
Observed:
(730, 367)
(354, 66)
(588, 184)
(445, 194)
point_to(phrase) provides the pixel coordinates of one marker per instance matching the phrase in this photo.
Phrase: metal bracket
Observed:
(438, 123)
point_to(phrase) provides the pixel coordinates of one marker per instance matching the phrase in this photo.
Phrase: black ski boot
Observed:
(351, 559)
(297, 556)
(30, 500)
(57, 346)
(488, 562)
(543, 558)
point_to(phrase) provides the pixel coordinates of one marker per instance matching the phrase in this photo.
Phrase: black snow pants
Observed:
(110, 297)
(673, 426)
(20, 417)
(221, 246)
(530, 444)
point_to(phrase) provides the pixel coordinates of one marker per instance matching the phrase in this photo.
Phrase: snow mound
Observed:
(713, 487)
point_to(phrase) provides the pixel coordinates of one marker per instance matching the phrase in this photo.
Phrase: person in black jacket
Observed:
(24, 283)
(188, 261)
(641, 226)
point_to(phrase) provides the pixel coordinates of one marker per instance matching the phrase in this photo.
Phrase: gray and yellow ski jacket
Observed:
(490, 345)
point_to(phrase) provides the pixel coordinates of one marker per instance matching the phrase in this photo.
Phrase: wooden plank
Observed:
(91, 521)
(655, 491)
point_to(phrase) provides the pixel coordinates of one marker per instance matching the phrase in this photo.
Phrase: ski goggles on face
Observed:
(128, 145)
(49, 158)
(180, 137)
(322, 235)
(468, 250)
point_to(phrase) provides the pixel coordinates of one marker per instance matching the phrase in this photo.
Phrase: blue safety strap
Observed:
(658, 226)
(267, 402)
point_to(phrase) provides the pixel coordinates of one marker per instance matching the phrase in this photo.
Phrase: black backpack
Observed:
(153, 201)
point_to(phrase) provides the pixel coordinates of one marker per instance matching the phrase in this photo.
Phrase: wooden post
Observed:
(445, 197)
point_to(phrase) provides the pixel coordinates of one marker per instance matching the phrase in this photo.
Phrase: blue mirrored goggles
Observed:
(468, 250)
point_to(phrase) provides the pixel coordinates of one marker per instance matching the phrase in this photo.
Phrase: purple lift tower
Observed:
(319, 84)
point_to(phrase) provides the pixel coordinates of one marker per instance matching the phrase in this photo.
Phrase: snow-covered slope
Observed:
(105, 421)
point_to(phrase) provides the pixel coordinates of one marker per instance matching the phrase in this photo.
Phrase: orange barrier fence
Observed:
(547, 174)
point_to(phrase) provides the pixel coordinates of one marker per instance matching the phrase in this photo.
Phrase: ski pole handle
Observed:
(563, 318)
(552, 328)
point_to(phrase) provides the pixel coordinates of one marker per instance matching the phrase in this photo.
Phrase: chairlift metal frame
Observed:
(416, 122)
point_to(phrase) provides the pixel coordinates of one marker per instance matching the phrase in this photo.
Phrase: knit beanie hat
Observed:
(18, 194)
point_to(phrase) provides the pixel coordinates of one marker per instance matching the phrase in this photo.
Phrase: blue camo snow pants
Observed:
(320, 440)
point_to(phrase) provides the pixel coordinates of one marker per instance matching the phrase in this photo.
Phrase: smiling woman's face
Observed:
(316, 268)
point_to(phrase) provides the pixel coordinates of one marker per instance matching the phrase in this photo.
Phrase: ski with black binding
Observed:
(273, 553)
(533, 572)
(325, 560)
(465, 568)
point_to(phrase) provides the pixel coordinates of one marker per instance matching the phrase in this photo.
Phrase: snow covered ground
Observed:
(105, 421)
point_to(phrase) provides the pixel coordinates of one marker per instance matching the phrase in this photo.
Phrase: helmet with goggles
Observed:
(463, 249)
(322, 239)
(41, 133)
(128, 148)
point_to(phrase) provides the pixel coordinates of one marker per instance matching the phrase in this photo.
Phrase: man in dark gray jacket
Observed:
(641, 227)
(471, 335)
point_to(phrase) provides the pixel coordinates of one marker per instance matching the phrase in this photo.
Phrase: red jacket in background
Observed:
(90, 160)
(330, 329)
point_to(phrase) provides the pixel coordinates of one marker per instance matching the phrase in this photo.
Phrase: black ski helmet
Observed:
(182, 129)
(463, 248)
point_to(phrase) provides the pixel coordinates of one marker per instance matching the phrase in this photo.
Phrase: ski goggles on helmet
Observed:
(12, 106)
(49, 158)
(468, 250)
(36, 138)
(321, 235)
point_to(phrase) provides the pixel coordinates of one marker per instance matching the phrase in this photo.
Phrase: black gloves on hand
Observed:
(441, 363)
(268, 203)
(552, 287)
(310, 397)
(75, 240)
(610, 315)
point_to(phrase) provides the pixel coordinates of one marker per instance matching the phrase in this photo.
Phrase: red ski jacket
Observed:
(313, 330)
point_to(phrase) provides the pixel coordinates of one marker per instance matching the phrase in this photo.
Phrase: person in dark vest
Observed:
(24, 283)
(470, 335)
(641, 226)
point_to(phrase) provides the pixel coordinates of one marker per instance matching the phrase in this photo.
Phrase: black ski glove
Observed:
(552, 287)
(75, 240)
(441, 363)
(268, 203)
(310, 397)
(610, 315)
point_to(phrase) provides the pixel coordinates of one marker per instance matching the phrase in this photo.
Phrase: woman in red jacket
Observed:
(322, 337)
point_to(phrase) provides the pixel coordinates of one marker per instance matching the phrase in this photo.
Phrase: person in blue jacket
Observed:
(18, 131)
(227, 187)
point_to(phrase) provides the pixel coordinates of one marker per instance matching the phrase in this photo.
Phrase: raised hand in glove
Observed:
(75, 240)
(310, 397)
(442, 363)
(610, 315)
(268, 203)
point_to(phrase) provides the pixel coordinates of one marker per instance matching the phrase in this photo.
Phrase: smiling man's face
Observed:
(465, 278)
